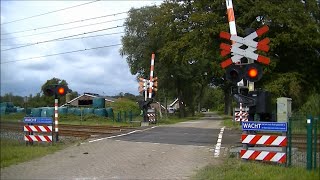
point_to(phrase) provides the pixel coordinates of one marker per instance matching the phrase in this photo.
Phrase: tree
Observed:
(176, 33)
(49, 101)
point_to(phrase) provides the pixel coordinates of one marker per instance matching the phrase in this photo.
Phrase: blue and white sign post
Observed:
(264, 126)
(37, 120)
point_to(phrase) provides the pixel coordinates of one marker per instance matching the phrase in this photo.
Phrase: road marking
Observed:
(110, 137)
(218, 145)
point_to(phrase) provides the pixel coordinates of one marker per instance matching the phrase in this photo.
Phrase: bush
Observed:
(312, 106)
(126, 105)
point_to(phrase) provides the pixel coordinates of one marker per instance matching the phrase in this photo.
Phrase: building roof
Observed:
(109, 99)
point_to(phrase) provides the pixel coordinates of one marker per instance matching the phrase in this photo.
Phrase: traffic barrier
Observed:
(30, 129)
(35, 128)
(268, 140)
(40, 138)
(151, 114)
(278, 157)
(241, 114)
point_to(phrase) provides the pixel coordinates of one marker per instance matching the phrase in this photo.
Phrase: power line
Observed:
(71, 22)
(60, 53)
(60, 38)
(47, 32)
(66, 38)
(49, 12)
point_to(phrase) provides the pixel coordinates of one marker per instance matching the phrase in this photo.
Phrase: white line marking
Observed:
(110, 137)
(218, 145)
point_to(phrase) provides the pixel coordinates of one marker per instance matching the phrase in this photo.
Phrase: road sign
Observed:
(38, 120)
(264, 126)
(248, 51)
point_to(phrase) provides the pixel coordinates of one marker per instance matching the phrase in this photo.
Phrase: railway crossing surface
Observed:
(161, 152)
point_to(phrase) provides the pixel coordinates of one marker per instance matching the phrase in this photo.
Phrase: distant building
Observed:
(86, 99)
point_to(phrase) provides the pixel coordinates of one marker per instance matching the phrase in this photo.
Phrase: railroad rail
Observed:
(84, 131)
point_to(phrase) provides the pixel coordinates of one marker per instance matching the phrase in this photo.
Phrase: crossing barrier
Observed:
(264, 140)
(43, 125)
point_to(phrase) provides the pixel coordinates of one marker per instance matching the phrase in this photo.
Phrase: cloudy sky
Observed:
(29, 31)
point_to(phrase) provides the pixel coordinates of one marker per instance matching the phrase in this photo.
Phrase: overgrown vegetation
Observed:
(233, 168)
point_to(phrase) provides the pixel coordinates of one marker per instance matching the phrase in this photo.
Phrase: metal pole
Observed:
(309, 143)
(130, 116)
(315, 124)
(289, 142)
(56, 117)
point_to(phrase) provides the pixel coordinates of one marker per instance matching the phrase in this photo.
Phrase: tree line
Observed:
(40, 100)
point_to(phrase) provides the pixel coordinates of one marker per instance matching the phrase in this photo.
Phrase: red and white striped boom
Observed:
(151, 75)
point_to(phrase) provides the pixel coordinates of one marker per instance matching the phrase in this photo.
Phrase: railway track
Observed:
(298, 140)
(73, 130)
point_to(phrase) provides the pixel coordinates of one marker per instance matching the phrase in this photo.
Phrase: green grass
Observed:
(14, 152)
(234, 168)
(229, 123)
(12, 117)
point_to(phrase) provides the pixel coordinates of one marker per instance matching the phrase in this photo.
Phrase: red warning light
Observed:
(61, 90)
(253, 72)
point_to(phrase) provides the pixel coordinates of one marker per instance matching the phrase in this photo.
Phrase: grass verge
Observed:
(14, 152)
(234, 168)
(229, 123)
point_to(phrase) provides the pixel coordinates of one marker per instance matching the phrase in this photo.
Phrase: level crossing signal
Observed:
(142, 85)
(245, 47)
(155, 84)
(59, 90)
(251, 72)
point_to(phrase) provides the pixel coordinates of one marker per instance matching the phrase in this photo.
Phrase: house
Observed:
(86, 99)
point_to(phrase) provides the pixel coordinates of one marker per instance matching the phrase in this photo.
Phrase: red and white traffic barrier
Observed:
(151, 75)
(35, 128)
(278, 157)
(269, 140)
(241, 119)
(40, 138)
(241, 114)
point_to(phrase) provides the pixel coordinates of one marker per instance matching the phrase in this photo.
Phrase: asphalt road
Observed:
(163, 152)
